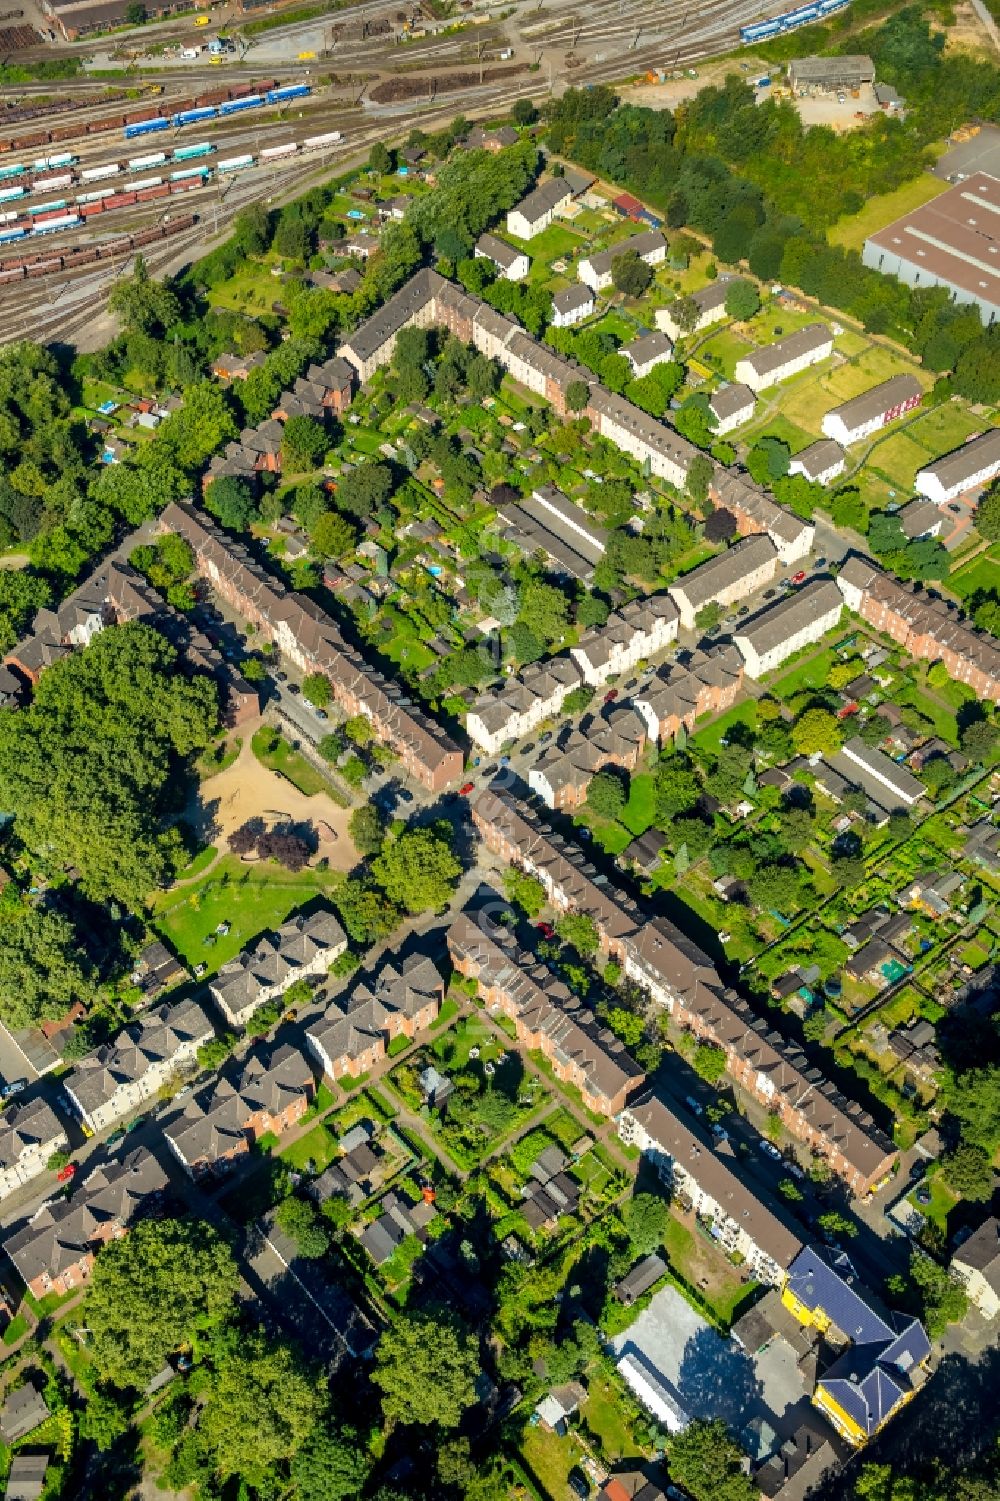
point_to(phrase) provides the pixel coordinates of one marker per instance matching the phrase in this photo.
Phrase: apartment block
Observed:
(969, 468)
(731, 576)
(785, 358)
(696, 683)
(30, 1131)
(354, 1033)
(864, 415)
(776, 633)
(639, 630)
(537, 211)
(521, 703)
(710, 303)
(303, 947)
(513, 265)
(265, 1094)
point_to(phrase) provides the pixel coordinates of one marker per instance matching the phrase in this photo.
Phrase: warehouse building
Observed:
(825, 75)
(951, 242)
(865, 414)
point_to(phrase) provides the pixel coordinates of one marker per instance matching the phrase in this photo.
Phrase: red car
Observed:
(797, 578)
(66, 1173)
(611, 695)
(546, 929)
(466, 788)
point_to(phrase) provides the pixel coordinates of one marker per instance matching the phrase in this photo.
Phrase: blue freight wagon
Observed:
(237, 106)
(146, 127)
(290, 91)
(192, 116)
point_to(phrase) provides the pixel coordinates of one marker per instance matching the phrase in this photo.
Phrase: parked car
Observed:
(14, 1087)
(491, 771)
(527, 749)
(466, 788)
(770, 1150)
(546, 929)
(578, 1482)
(611, 695)
(719, 1131)
(404, 795)
(66, 1173)
(794, 1169)
(321, 714)
(798, 578)
(693, 1105)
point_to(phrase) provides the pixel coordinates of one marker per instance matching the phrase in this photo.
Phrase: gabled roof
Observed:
(152, 1039)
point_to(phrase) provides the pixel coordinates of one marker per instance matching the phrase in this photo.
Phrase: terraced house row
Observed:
(682, 979)
(312, 639)
(428, 300)
(546, 1014)
(355, 1032)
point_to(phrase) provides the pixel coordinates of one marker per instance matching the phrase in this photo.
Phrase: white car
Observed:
(770, 1150)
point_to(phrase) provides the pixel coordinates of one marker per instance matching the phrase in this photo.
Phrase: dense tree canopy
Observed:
(418, 870)
(261, 1407)
(426, 1367)
(42, 968)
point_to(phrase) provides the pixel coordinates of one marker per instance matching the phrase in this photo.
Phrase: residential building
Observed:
(780, 630)
(400, 1218)
(156, 969)
(548, 521)
(596, 270)
(828, 74)
(968, 468)
(703, 1182)
(266, 1093)
(786, 357)
(493, 140)
(119, 1077)
(230, 366)
(982, 844)
(885, 1361)
(630, 1486)
(355, 1032)
(639, 630)
(731, 406)
(313, 641)
(709, 302)
(950, 242)
(803, 1465)
(977, 1263)
(547, 1016)
(648, 351)
(323, 389)
(750, 564)
(558, 1406)
(23, 1411)
(571, 305)
(114, 595)
(513, 265)
(537, 211)
(550, 1192)
(26, 1477)
(926, 626)
(820, 463)
(921, 518)
(681, 978)
(562, 774)
(864, 415)
(642, 437)
(933, 893)
(30, 1131)
(696, 683)
(301, 948)
(55, 1251)
(521, 703)
(756, 511)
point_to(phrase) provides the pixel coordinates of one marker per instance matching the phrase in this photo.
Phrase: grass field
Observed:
(944, 427)
(982, 573)
(550, 1458)
(852, 231)
(277, 755)
(810, 673)
(898, 459)
(709, 737)
(725, 349)
(318, 1146)
(637, 815)
(251, 898)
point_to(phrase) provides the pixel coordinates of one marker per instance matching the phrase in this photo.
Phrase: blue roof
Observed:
(818, 1283)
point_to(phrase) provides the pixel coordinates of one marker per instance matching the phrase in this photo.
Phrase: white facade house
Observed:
(571, 305)
(731, 406)
(519, 705)
(977, 1263)
(776, 362)
(302, 947)
(710, 303)
(30, 1131)
(643, 437)
(687, 1161)
(969, 468)
(513, 265)
(117, 1079)
(596, 270)
(857, 419)
(744, 568)
(639, 630)
(820, 463)
(648, 351)
(537, 211)
(767, 639)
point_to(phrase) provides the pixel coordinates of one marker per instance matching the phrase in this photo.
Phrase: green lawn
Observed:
(603, 1414)
(17, 1327)
(549, 1459)
(201, 861)
(274, 752)
(711, 735)
(944, 427)
(854, 229)
(810, 673)
(982, 573)
(722, 351)
(637, 815)
(318, 1146)
(251, 898)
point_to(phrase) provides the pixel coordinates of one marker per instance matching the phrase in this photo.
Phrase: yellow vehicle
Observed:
(201, 20)
(216, 62)
(307, 57)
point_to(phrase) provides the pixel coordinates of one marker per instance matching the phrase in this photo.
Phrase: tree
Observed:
(366, 912)
(330, 1467)
(359, 729)
(286, 848)
(942, 1295)
(316, 689)
(303, 444)
(708, 1463)
(577, 395)
(331, 535)
(260, 1409)
(524, 112)
(525, 891)
(708, 617)
(709, 1061)
(231, 502)
(699, 477)
(367, 829)
(677, 787)
(630, 274)
(988, 513)
(299, 1220)
(102, 1420)
(606, 794)
(742, 300)
(42, 968)
(834, 1223)
(379, 159)
(426, 1366)
(544, 610)
(579, 932)
(625, 1024)
(143, 305)
(154, 1291)
(816, 730)
(363, 490)
(969, 1171)
(978, 740)
(646, 1218)
(685, 313)
(418, 870)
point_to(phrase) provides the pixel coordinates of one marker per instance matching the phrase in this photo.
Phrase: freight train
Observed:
(804, 15)
(29, 267)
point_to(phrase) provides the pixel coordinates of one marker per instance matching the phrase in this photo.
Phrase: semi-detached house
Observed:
(562, 774)
(724, 580)
(640, 629)
(265, 1094)
(309, 637)
(819, 462)
(513, 265)
(697, 683)
(731, 406)
(689, 1164)
(926, 626)
(547, 1016)
(521, 703)
(776, 362)
(302, 947)
(355, 1033)
(682, 979)
(118, 1078)
(969, 468)
(710, 306)
(596, 270)
(30, 1131)
(864, 415)
(537, 211)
